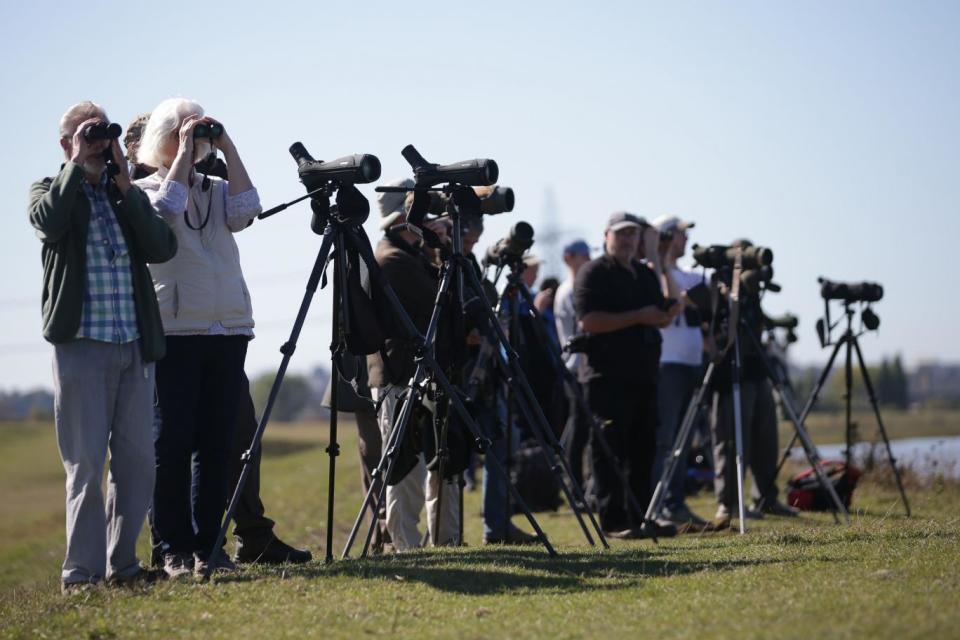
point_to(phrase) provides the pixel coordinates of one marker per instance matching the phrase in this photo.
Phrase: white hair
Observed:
(78, 113)
(164, 120)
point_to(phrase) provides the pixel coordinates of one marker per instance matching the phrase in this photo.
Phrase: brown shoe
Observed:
(143, 576)
(72, 588)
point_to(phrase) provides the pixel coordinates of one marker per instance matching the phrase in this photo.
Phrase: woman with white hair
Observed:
(207, 319)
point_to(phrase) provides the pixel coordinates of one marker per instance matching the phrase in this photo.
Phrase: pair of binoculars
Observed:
(208, 130)
(101, 131)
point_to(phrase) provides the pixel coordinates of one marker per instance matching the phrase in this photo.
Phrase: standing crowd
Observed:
(145, 302)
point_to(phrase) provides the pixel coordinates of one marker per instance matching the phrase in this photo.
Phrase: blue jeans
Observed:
(495, 517)
(677, 384)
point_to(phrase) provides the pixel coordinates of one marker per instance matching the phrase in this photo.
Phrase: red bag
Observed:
(806, 492)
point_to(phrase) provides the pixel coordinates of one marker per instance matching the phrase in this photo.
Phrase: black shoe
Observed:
(272, 551)
(661, 529)
(515, 535)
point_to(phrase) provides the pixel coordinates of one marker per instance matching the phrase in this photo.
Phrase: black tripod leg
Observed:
(519, 400)
(378, 481)
(475, 431)
(441, 464)
(534, 404)
(584, 407)
(800, 432)
(387, 463)
(680, 443)
(552, 460)
(340, 321)
(883, 431)
(287, 350)
(460, 483)
(814, 395)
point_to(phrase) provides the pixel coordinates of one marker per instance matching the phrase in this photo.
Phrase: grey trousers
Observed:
(759, 421)
(674, 392)
(104, 401)
(418, 488)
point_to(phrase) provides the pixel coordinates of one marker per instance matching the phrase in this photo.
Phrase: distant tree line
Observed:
(890, 384)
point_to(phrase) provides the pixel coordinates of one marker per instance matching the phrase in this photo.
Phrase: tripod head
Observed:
(787, 322)
(852, 295)
(326, 179)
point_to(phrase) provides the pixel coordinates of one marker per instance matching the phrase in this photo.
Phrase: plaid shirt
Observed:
(109, 314)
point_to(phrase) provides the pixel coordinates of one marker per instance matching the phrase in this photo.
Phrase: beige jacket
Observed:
(202, 290)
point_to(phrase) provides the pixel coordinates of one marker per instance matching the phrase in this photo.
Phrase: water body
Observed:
(936, 456)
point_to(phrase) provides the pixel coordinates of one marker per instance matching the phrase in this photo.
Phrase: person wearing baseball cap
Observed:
(576, 433)
(681, 369)
(621, 305)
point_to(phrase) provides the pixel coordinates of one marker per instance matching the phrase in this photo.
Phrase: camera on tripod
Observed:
(756, 263)
(509, 249)
(323, 178)
(718, 256)
(848, 293)
(788, 322)
(480, 172)
(493, 200)
(359, 168)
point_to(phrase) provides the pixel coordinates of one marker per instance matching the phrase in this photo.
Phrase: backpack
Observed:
(533, 478)
(806, 492)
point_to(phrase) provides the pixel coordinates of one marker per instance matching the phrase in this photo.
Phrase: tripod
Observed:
(850, 340)
(516, 285)
(452, 273)
(351, 210)
(515, 292)
(740, 326)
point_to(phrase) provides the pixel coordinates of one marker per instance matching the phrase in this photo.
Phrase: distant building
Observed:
(935, 384)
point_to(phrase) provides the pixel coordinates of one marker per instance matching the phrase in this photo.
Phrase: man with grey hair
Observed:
(100, 312)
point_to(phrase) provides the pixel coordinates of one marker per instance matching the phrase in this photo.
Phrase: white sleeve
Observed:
(242, 208)
(168, 197)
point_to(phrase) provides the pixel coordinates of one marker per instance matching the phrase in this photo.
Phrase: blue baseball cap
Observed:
(577, 248)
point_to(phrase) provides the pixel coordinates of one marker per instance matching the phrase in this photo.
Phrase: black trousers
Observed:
(629, 414)
(197, 387)
(575, 438)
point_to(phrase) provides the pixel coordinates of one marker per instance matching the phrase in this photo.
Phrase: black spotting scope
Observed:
(850, 291)
(479, 172)
(359, 168)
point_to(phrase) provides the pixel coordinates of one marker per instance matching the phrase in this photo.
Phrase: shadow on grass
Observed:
(280, 448)
(478, 572)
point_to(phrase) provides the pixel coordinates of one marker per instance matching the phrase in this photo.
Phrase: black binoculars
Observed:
(208, 130)
(101, 131)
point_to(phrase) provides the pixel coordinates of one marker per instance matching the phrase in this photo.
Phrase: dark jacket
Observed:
(60, 212)
(415, 281)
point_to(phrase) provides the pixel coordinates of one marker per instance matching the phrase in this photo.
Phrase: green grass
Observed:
(883, 575)
(827, 428)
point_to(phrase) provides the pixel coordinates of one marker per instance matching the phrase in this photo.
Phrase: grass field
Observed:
(882, 576)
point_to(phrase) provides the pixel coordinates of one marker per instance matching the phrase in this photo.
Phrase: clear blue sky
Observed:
(827, 131)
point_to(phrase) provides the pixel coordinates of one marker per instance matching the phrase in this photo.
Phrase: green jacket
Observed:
(60, 212)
